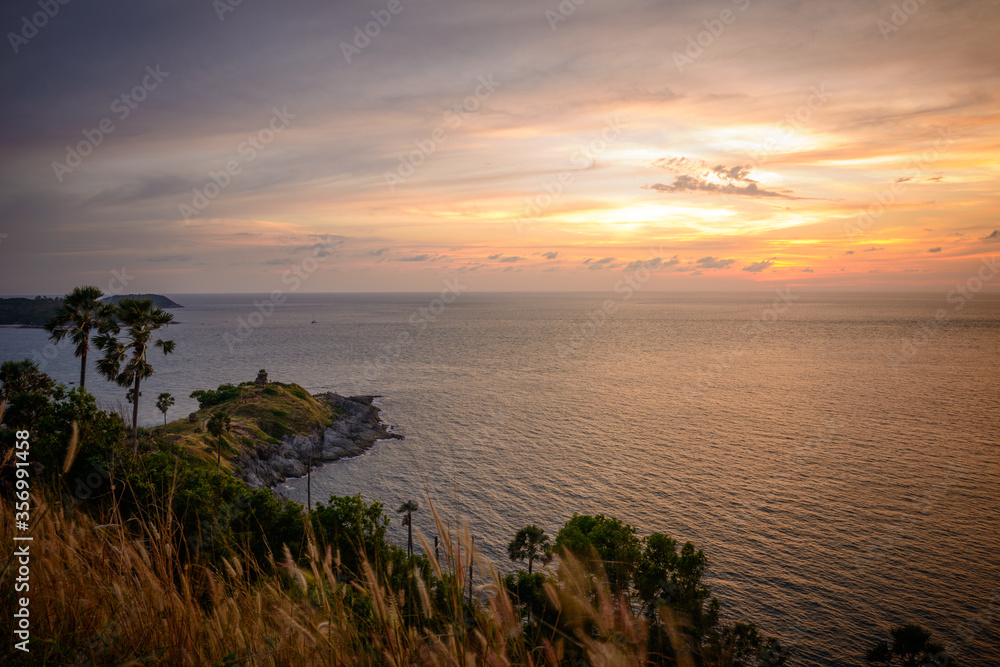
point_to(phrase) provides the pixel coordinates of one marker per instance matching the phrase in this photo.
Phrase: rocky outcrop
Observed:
(357, 428)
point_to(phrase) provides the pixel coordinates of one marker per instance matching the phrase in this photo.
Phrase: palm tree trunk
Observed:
(409, 531)
(135, 417)
(83, 368)
(530, 559)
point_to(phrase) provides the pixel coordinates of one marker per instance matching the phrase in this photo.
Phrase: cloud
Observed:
(417, 258)
(167, 258)
(995, 236)
(686, 183)
(757, 267)
(874, 249)
(713, 263)
(849, 252)
(511, 260)
(550, 255)
(379, 252)
(807, 270)
(699, 177)
(938, 249)
(496, 255)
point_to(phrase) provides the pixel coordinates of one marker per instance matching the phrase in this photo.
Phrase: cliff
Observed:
(278, 429)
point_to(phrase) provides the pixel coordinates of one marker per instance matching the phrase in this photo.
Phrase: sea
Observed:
(836, 456)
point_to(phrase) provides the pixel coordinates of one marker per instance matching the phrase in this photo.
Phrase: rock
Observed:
(356, 429)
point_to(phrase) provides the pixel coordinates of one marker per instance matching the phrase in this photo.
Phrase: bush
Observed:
(208, 398)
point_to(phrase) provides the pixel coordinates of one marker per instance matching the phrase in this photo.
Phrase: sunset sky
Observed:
(518, 145)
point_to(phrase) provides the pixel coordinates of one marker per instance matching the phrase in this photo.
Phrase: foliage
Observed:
(26, 391)
(356, 529)
(603, 541)
(124, 361)
(530, 543)
(163, 403)
(911, 644)
(408, 508)
(101, 435)
(81, 312)
(208, 398)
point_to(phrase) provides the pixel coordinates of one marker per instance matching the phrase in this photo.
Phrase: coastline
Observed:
(357, 429)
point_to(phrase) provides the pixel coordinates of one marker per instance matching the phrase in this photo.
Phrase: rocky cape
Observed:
(356, 430)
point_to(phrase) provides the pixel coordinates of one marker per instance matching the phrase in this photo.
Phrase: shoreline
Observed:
(358, 427)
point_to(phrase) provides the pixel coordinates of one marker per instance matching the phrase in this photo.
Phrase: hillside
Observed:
(277, 430)
(159, 300)
(28, 312)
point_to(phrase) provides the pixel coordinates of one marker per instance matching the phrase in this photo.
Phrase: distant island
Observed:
(159, 300)
(26, 312)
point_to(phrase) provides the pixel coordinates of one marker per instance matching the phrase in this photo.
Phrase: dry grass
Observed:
(118, 593)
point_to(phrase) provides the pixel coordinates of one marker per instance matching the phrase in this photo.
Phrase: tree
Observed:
(163, 403)
(912, 644)
(25, 390)
(408, 508)
(218, 424)
(124, 361)
(81, 312)
(261, 378)
(613, 542)
(530, 543)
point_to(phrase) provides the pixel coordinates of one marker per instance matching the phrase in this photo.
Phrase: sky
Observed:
(394, 145)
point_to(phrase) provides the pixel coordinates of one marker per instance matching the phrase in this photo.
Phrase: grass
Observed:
(260, 416)
(117, 592)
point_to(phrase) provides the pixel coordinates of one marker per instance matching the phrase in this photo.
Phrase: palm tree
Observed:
(218, 424)
(409, 508)
(912, 644)
(124, 361)
(80, 313)
(163, 403)
(530, 543)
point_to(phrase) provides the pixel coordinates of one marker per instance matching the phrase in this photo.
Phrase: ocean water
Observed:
(837, 456)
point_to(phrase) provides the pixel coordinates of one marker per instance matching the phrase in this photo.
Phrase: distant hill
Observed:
(31, 312)
(159, 300)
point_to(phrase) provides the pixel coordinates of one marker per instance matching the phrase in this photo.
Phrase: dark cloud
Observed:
(995, 236)
(808, 270)
(379, 252)
(757, 267)
(698, 176)
(687, 183)
(417, 258)
(938, 249)
(713, 263)
(874, 249)
(849, 252)
(496, 255)
(511, 260)
(550, 255)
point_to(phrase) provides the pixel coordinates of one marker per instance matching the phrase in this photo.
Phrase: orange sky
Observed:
(800, 144)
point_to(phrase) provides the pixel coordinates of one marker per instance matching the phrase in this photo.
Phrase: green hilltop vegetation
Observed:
(259, 415)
